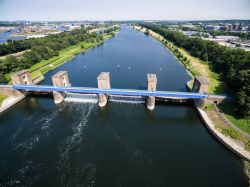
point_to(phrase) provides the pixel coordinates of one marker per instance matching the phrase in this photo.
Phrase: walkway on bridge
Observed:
(129, 92)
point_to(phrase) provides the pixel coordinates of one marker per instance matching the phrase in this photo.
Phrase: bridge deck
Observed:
(165, 94)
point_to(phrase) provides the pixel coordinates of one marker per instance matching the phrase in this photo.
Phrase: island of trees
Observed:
(233, 65)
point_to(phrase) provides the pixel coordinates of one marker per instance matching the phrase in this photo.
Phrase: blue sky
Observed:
(42, 10)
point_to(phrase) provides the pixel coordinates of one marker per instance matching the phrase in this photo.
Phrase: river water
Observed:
(80, 144)
(4, 36)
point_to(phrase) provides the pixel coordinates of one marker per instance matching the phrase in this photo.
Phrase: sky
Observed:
(65, 10)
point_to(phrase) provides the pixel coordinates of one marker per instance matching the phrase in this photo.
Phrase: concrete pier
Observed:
(103, 81)
(201, 85)
(60, 79)
(152, 81)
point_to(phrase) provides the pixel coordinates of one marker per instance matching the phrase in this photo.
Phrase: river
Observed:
(80, 144)
(4, 36)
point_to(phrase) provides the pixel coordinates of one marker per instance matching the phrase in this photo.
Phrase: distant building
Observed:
(212, 27)
(190, 33)
(227, 38)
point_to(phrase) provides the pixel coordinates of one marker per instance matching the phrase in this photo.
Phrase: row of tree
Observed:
(40, 48)
(232, 64)
(55, 42)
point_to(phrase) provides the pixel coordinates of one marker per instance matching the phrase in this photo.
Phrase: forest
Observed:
(233, 65)
(38, 49)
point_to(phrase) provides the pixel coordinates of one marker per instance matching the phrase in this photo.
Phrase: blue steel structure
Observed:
(165, 94)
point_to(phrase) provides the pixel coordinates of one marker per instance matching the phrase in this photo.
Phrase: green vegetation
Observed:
(231, 132)
(46, 65)
(194, 65)
(224, 128)
(231, 114)
(2, 97)
(232, 65)
(47, 53)
(209, 107)
(147, 32)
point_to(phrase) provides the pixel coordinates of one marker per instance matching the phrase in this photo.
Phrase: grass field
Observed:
(64, 55)
(44, 66)
(221, 126)
(2, 97)
(229, 111)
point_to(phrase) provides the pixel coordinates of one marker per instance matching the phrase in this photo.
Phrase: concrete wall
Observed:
(8, 91)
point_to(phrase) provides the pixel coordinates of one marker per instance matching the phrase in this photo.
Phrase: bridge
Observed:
(112, 91)
(22, 84)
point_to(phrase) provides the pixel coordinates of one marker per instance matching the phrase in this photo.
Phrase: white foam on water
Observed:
(126, 99)
(81, 98)
(71, 143)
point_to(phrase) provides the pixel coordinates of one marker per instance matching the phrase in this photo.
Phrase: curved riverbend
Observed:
(121, 144)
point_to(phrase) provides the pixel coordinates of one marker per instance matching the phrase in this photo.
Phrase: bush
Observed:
(2, 78)
(231, 132)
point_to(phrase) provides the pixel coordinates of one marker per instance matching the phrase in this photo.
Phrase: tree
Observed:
(232, 64)
(31, 57)
(101, 37)
(147, 32)
(11, 63)
(2, 78)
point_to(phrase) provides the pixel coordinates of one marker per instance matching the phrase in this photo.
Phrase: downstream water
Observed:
(79, 144)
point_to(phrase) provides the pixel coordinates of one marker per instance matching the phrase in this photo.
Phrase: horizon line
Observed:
(106, 20)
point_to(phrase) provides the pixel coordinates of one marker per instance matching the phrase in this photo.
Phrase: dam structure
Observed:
(78, 143)
(61, 87)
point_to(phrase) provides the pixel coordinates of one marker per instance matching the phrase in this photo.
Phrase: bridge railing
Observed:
(167, 94)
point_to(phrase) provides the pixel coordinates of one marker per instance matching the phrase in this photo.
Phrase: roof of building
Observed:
(203, 80)
(103, 75)
(152, 77)
(227, 37)
(59, 74)
(20, 72)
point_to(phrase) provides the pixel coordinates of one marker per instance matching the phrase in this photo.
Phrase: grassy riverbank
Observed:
(197, 67)
(64, 55)
(2, 97)
(221, 126)
(229, 111)
(44, 66)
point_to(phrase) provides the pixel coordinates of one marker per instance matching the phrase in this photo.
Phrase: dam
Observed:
(74, 144)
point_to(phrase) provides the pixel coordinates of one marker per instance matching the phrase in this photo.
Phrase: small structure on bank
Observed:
(200, 85)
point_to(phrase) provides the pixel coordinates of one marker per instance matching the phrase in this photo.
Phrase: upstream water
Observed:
(4, 36)
(122, 144)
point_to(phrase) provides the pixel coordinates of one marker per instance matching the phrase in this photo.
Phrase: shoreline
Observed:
(39, 69)
(38, 77)
(227, 141)
(50, 66)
